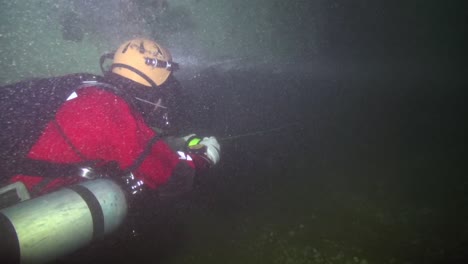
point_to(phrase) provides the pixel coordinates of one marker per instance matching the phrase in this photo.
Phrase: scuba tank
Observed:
(53, 225)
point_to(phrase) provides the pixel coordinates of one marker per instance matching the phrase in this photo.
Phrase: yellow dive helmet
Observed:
(143, 61)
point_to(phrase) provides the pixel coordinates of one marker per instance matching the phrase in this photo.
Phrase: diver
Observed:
(119, 125)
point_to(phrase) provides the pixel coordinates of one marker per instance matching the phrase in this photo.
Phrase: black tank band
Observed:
(94, 207)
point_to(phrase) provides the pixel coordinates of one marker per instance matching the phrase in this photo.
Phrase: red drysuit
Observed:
(97, 124)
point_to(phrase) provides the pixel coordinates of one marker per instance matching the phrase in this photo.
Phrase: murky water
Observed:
(342, 125)
(372, 172)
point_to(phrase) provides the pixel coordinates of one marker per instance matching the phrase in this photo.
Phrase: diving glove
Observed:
(208, 147)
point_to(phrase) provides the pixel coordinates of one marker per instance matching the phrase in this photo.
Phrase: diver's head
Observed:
(143, 61)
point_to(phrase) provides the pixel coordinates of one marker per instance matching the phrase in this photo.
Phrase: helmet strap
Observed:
(141, 74)
(103, 59)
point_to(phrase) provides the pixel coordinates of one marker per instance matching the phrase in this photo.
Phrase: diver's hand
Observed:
(190, 137)
(213, 149)
(207, 147)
